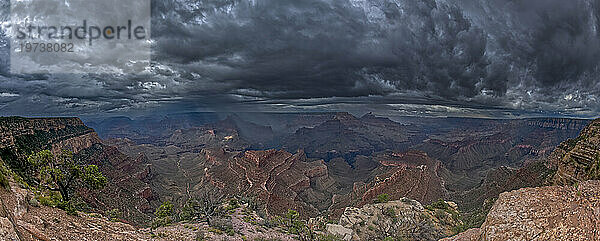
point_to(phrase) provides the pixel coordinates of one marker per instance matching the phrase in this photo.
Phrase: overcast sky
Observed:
(502, 58)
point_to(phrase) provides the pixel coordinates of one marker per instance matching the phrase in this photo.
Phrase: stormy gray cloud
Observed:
(447, 57)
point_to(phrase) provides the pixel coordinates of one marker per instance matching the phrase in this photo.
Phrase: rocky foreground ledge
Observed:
(544, 213)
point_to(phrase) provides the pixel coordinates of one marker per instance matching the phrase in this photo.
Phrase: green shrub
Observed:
(161, 222)
(459, 228)
(382, 198)
(188, 211)
(114, 215)
(68, 206)
(390, 212)
(5, 173)
(165, 210)
(233, 204)
(49, 198)
(439, 204)
(4, 181)
(292, 222)
(439, 214)
(46, 201)
(163, 215)
(65, 174)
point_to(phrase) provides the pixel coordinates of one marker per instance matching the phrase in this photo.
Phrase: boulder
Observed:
(544, 213)
(339, 230)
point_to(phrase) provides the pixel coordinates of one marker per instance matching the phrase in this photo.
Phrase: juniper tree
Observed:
(205, 204)
(63, 174)
(163, 215)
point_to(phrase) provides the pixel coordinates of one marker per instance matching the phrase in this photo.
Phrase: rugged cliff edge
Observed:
(578, 159)
(544, 213)
(404, 219)
(126, 189)
(567, 210)
(22, 219)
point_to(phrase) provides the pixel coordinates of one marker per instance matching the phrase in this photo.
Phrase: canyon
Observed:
(322, 165)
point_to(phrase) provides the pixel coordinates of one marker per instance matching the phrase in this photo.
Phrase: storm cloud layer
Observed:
(452, 57)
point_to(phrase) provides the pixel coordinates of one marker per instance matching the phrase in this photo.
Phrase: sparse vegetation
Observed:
(291, 223)
(233, 204)
(62, 174)
(459, 228)
(4, 174)
(206, 205)
(390, 212)
(439, 204)
(383, 198)
(593, 170)
(114, 215)
(163, 215)
(476, 218)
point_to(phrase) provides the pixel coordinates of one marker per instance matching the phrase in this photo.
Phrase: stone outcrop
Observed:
(578, 159)
(339, 231)
(196, 139)
(23, 219)
(277, 180)
(558, 123)
(544, 213)
(128, 187)
(13, 127)
(77, 143)
(413, 174)
(404, 219)
(19, 220)
(21, 136)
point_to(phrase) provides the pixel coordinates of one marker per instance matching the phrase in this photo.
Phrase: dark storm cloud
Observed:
(560, 40)
(313, 48)
(538, 56)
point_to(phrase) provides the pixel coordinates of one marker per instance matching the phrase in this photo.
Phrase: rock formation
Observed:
(544, 213)
(410, 174)
(347, 136)
(126, 188)
(578, 159)
(566, 211)
(22, 219)
(404, 219)
(279, 179)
